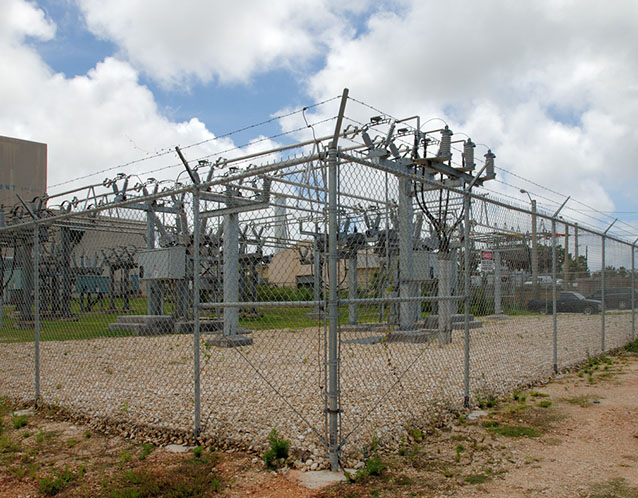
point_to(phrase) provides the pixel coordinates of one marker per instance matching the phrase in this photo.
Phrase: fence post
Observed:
(633, 292)
(602, 296)
(36, 298)
(554, 311)
(333, 308)
(466, 306)
(196, 325)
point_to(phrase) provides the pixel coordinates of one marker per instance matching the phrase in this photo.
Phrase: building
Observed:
(23, 170)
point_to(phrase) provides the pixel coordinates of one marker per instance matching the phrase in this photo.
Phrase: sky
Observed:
(551, 86)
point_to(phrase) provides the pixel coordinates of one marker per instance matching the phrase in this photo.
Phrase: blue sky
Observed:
(549, 86)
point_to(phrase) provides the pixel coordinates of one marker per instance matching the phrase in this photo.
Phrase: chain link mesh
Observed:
(101, 314)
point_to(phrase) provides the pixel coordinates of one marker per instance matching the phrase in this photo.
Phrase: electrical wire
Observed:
(170, 150)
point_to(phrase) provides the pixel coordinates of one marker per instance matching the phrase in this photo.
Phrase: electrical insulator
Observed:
(468, 154)
(489, 163)
(446, 139)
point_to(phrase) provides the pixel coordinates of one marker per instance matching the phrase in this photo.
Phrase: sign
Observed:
(487, 255)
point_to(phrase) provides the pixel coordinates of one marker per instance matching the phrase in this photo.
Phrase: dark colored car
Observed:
(570, 302)
(616, 297)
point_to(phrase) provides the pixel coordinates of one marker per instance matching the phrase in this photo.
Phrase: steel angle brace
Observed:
(253, 206)
(402, 168)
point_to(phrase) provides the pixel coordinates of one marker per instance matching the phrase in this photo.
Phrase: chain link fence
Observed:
(348, 293)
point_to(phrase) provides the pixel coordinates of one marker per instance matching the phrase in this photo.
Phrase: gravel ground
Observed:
(143, 386)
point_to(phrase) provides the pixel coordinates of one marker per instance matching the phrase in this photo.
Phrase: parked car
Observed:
(616, 297)
(570, 302)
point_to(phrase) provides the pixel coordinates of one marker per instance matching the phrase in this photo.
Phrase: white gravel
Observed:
(143, 386)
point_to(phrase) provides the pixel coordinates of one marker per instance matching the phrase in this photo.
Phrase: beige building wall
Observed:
(23, 170)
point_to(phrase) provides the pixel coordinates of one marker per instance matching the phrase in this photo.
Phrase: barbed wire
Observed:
(170, 150)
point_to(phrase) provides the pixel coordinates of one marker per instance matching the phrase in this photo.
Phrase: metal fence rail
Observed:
(353, 291)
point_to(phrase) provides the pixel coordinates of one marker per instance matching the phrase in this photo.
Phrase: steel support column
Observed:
(196, 324)
(466, 301)
(554, 310)
(36, 298)
(333, 303)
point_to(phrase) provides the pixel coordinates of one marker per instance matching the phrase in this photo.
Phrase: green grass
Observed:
(615, 488)
(512, 430)
(477, 479)
(61, 479)
(96, 324)
(191, 478)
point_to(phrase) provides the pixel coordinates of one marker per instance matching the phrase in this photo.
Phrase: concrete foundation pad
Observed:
(230, 341)
(476, 414)
(176, 448)
(318, 479)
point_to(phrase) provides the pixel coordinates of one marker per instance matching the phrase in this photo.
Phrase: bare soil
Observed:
(576, 436)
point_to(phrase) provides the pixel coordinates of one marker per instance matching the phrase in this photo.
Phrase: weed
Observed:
(514, 431)
(373, 466)
(71, 443)
(632, 347)
(278, 451)
(191, 478)
(477, 479)
(20, 421)
(147, 449)
(416, 434)
(536, 394)
(125, 456)
(545, 404)
(583, 400)
(403, 481)
(87, 434)
(613, 488)
(53, 485)
(487, 401)
(198, 451)
(459, 449)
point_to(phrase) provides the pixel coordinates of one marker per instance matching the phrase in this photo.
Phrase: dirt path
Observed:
(592, 450)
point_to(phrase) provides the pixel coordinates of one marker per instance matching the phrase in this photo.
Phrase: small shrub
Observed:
(87, 434)
(278, 451)
(53, 485)
(374, 466)
(20, 421)
(198, 451)
(71, 443)
(147, 449)
(545, 404)
(632, 347)
(487, 401)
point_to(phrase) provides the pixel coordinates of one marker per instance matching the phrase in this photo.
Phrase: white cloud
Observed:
(550, 86)
(91, 122)
(228, 41)
(21, 19)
